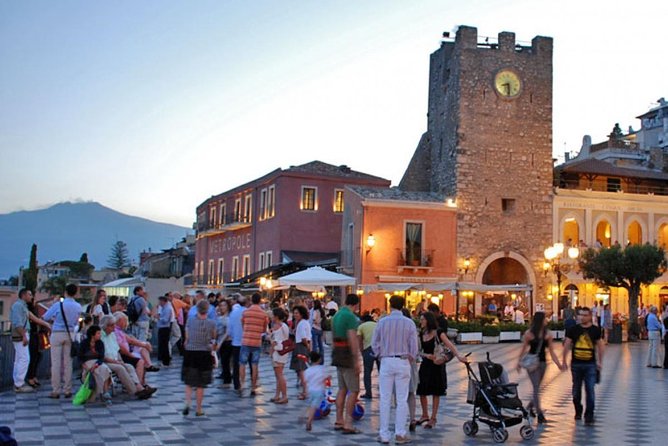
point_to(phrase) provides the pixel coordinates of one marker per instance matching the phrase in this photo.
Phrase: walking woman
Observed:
(225, 342)
(433, 379)
(316, 329)
(279, 334)
(197, 368)
(536, 341)
(300, 355)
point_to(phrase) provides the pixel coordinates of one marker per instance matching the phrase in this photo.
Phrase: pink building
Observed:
(291, 215)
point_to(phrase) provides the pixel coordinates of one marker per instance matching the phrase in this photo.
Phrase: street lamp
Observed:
(553, 255)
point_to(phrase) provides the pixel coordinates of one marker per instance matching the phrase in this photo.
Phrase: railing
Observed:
(602, 187)
(229, 222)
(426, 259)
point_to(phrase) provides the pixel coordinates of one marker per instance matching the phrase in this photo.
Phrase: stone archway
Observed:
(507, 268)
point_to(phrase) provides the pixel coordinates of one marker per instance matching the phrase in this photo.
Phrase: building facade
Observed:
(488, 146)
(288, 215)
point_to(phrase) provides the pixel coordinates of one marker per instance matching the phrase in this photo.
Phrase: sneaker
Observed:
(152, 369)
(24, 389)
(367, 396)
(541, 419)
(402, 440)
(226, 386)
(380, 440)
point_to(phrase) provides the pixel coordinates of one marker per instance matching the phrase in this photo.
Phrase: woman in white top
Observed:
(279, 334)
(300, 355)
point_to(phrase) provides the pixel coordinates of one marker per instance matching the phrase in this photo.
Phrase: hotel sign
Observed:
(230, 244)
(599, 206)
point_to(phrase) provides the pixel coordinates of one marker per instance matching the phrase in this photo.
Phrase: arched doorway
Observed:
(505, 271)
(634, 234)
(663, 236)
(663, 296)
(571, 295)
(604, 233)
(571, 234)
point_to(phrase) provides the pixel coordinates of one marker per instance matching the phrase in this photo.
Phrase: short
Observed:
(315, 398)
(349, 379)
(130, 360)
(249, 353)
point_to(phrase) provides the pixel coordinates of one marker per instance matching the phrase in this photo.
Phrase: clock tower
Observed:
(488, 145)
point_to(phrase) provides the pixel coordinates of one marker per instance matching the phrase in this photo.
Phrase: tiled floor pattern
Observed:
(631, 403)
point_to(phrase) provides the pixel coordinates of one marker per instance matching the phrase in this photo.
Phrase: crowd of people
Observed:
(111, 339)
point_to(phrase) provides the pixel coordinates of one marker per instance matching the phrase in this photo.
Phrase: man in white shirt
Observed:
(519, 316)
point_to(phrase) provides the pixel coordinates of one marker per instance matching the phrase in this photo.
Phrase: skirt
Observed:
(299, 360)
(432, 379)
(197, 367)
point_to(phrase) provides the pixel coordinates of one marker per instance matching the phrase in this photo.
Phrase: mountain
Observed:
(66, 230)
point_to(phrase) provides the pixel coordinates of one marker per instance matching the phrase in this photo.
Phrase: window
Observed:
(248, 208)
(223, 211)
(614, 184)
(508, 206)
(2, 307)
(201, 271)
(262, 214)
(237, 210)
(212, 217)
(221, 268)
(210, 273)
(235, 268)
(309, 199)
(413, 244)
(246, 266)
(338, 200)
(267, 259)
(271, 201)
(348, 254)
(196, 271)
(260, 261)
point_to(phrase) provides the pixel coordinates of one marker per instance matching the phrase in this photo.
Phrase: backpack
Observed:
(133, 314)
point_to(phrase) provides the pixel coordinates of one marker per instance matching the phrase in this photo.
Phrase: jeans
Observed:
(395, 372)
(317, 341)
(140, 330)
(35, 356)
(236, 350)
(654, 337)
(21, 361)
(163, 345)
(584, 372)
(368, 359)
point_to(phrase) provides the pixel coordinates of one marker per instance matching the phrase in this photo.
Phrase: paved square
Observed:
(631, 404)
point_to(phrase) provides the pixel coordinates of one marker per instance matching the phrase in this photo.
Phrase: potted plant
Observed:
(556, 329)
(511, 331)
(490, 334)
(453, 329)
(469, 332)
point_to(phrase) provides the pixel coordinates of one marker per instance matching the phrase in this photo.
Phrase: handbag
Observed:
(288, 346)
(75, 347)
(531, 361)
(43, 341)
(442, 354)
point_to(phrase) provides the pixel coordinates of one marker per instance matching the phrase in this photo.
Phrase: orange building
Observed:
(396, 241)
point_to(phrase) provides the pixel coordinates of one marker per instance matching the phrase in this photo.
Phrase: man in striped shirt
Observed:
(254, 322)
(395, 343)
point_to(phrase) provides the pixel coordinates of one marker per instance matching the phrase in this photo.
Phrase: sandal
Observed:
(274, 400)
(281, 401)
(338, 427)
(308, 427)
(301, 396)
(422, 420)
(352, 431)
(430, 424)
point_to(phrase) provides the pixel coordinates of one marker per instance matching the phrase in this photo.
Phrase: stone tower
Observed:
(489, 145)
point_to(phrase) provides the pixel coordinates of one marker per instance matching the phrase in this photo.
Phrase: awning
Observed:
(450, 286)
(315, 276)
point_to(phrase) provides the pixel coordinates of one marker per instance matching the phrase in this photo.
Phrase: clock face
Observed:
(507, 83)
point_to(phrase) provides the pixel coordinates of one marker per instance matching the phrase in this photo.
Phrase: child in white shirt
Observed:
(315, 377)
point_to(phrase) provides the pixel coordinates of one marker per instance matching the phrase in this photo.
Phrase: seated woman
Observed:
(91, 355)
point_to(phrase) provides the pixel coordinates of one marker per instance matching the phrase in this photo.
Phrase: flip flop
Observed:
(338, 427)
(421, 421)
(352, 431)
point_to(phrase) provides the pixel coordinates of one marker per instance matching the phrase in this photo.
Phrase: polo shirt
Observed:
(19, 315)
(254, 322)
(366, 331)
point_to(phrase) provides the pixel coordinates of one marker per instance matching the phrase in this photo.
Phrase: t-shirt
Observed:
(343, 320)
(584, 343)
(366, 331)
(254, 322)
(303, 331)
(315, 377)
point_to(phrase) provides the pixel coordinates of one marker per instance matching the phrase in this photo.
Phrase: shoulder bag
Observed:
(288, 345)
(75, 347)
(442, 354)
(531, 361)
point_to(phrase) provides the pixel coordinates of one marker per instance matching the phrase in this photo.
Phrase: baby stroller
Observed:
(495, 403)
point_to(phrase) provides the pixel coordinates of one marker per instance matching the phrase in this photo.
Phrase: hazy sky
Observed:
(150, 107)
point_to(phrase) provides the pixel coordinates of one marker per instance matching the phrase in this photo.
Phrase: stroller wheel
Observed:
(470, 428)
(500, 435)
(526, 432)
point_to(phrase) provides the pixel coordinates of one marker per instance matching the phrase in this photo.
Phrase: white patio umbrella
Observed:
(315, 276)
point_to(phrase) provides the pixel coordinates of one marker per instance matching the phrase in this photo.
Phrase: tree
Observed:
(119, 257)
(627, 268)
(30, 276)
(84, 258)
(13, 281)
(55, 286)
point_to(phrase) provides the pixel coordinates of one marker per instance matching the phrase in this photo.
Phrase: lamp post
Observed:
(553, 256)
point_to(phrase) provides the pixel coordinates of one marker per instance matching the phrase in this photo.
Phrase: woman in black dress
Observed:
(433, 378)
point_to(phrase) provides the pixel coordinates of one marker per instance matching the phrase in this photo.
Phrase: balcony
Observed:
(416, 262)
(230, 223)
